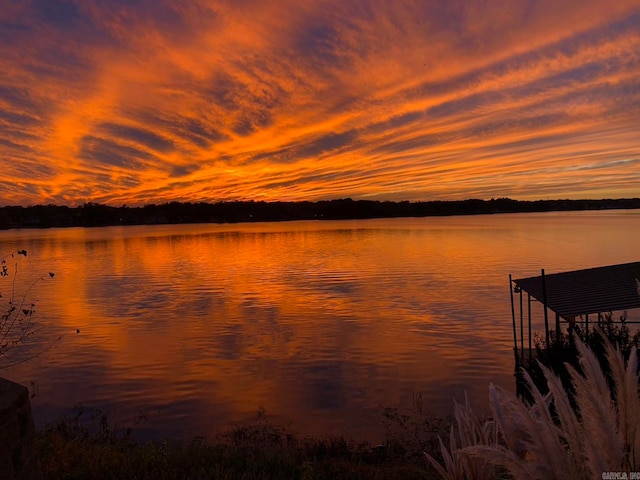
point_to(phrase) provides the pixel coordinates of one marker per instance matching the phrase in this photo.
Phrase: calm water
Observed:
(320, 323)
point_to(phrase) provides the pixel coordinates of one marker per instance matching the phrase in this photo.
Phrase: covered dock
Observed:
(572, 298)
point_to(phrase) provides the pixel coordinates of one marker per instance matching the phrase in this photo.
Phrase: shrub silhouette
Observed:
(17, 320)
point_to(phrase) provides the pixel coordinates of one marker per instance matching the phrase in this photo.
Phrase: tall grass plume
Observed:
(596, 429)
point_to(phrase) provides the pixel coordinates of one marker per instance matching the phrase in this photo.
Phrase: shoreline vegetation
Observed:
(98, 215)
(89, 445)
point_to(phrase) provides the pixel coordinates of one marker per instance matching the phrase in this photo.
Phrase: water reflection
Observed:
(320, 323)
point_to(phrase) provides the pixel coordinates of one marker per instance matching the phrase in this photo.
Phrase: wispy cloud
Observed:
(138, 101)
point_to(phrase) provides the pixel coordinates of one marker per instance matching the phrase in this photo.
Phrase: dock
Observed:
(573, 299)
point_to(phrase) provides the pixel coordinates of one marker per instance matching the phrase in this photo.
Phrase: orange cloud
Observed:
(144, 101)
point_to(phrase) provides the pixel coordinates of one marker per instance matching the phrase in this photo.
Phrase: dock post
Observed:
(586, 324)
(521, 328)
(529, 318)
(513, 319)
(544, 303)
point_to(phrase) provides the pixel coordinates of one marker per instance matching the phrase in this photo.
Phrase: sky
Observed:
(148, 101)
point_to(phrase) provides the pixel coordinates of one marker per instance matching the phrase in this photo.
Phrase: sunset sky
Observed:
(146, 101)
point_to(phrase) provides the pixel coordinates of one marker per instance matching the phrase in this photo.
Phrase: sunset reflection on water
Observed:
(320, 323)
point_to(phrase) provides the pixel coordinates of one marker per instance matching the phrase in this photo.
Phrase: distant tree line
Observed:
(94, 214)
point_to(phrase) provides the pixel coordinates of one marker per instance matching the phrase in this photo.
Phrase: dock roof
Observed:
(593, 290)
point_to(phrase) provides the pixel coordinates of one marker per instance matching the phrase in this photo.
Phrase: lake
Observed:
(322, 324)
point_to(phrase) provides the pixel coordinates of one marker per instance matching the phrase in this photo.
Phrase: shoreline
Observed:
(175, 213)
(260, 449)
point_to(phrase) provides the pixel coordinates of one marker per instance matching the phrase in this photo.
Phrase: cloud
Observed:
(111, 153)
(137, 135)
(284, 100)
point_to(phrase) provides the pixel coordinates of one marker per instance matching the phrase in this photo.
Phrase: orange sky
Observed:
(140, 101)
